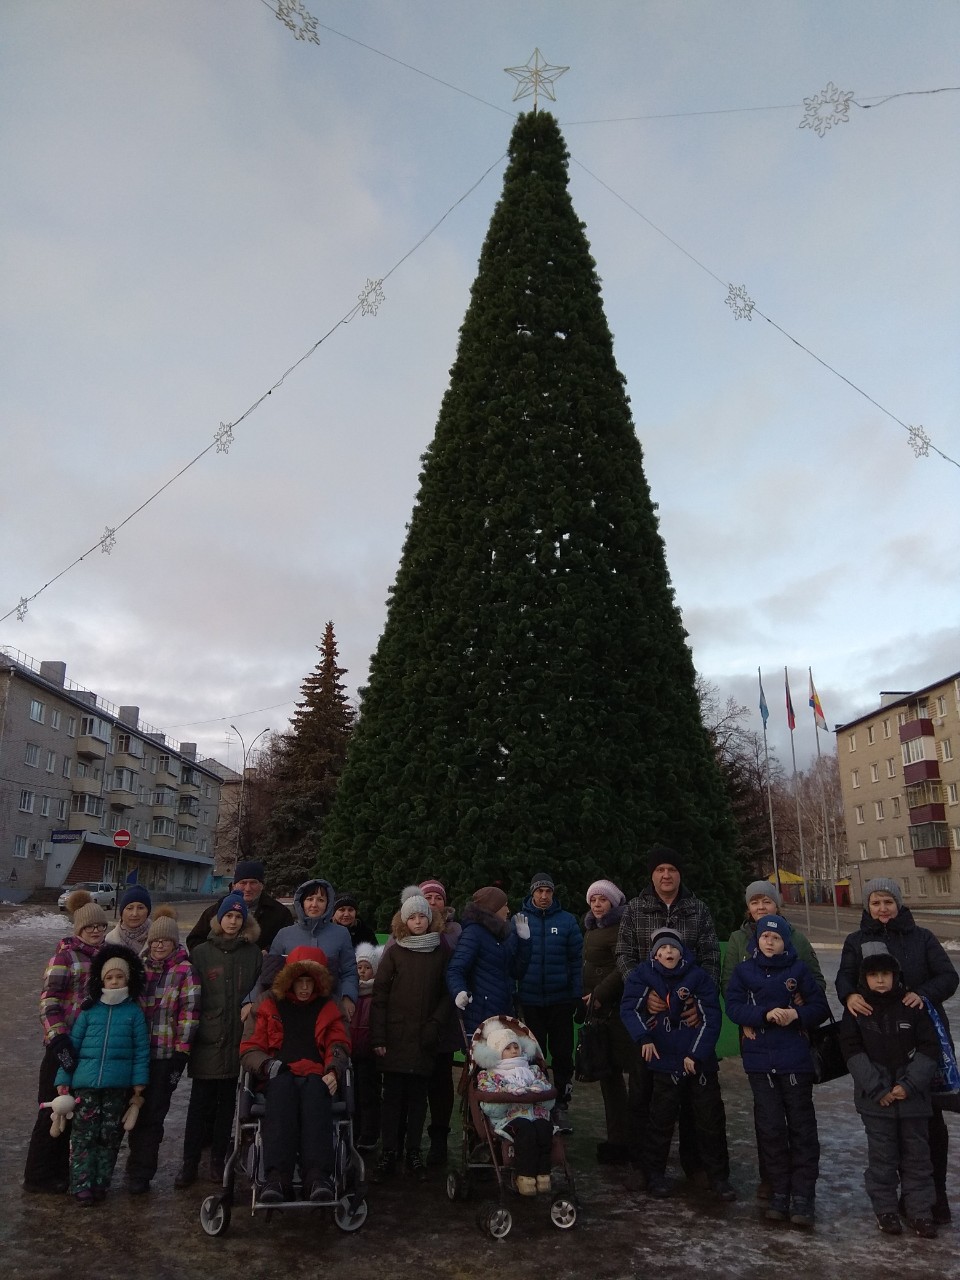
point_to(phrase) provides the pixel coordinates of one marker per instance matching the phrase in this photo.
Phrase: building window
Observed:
(921, 886)
(163, 764)
(66, 767)
(45, 806)
(878, 810)
(941, 705)
(136, 827)
(116, 820)
(883, 848)
(891, 767)
(19, 846)
(946, 749)
(852, 742)
(94, 727)
(128, 744)
(71, 726)
(31, 755)
(901, 717)
(952, 796)
(163, 827)
(862, 850)
(186, 835)
(858, 814)
(92, 806)
(854, 778)
(26, 801)
(901, 846)
(51, 761)
(886, 728)
(871, 735)
(874, 773)
(906, 886)
(37, 710)
(912, 751)
(153, 764)
(202, 845)
(124, 780)
(54, 719)
(62, 810)
(941, 885)
(896, 806)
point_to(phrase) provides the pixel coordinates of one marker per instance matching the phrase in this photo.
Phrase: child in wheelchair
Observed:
(298, 1052)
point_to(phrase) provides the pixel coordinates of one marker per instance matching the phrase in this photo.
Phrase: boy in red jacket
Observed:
(298, 1049)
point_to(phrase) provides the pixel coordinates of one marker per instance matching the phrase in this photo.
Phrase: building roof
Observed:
(899, 701)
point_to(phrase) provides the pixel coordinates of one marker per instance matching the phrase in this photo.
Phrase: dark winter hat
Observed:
(346, 900)
(490, 898)
(661, 937)
(542, 881)
(660, 854)
(136, 893)
(882, 884)
(775, 924)
(763, 889)
(250, 870)
(232, 902)
(875, 958)
(163, 926)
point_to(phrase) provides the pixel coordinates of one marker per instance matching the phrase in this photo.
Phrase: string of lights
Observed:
(368, 302)
(743, 308)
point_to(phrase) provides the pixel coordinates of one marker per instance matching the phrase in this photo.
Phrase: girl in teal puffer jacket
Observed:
(111, 1045)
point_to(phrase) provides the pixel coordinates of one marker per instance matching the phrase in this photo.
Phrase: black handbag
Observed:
(592, 1059)
(828, 1063)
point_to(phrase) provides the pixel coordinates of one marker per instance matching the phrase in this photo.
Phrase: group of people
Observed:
(292, 996)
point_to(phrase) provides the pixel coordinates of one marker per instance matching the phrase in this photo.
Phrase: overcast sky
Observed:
(192, 197)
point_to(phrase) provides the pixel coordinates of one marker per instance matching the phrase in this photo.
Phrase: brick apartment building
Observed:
(75, 769)
(900, 778)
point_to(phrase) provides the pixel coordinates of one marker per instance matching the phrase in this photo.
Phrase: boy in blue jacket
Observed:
(776, 1000)
(112, 1048)
(682, 1059)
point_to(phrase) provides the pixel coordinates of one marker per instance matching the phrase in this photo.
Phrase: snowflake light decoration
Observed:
(825, 109)
(22, 608)
(296, 18)
(108, 541)
(224, 437)
(372, 297)
(919, 442)
(740, 303)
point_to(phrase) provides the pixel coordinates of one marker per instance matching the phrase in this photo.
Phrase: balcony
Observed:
(91, 748)
(85, 822)
(928, 813)
(187, 819)
(88, 786)
(919, 770)
(935, 859)
(120, 798)
(916, 729)
(126, 760)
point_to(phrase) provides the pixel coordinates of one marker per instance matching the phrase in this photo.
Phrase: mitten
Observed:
(274, 1068)
(62, 1046)
(177, 1068)
(463, 999)
(522, 925)
(61, 1110)
(132, 1112)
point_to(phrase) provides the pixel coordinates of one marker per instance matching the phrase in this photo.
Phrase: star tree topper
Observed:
(535, 78)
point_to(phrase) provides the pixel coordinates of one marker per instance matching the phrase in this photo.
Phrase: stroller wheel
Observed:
(457, 1186)
(494, 1219)
(563, 1213)
(348, 1220)
(215, 1215)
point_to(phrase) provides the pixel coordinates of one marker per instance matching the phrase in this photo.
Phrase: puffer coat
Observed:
(227, 968)
(554, 974)
(488, 960)
(761, 984)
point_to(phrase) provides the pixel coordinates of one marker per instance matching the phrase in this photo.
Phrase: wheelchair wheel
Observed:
(563, 1213)
(215, 1215)
(347, 1220)
(494, 1220)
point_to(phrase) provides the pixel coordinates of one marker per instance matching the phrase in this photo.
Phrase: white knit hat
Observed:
(499, 1036)
(367, 951)
(415, 904)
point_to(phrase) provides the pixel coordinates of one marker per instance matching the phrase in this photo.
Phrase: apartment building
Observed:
(900, 777)
(75, 770)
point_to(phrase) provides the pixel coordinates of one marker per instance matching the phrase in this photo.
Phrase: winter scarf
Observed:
(135, 939)
(519, 1071)
(420, 942)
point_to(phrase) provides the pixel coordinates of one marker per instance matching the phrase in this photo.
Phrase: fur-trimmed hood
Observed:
(113, 951)
(303, 962)
(249, 933)
(474, 914)
(400, 929)
(486, 1057)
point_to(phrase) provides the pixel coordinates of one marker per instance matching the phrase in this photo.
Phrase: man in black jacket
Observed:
(270, 915)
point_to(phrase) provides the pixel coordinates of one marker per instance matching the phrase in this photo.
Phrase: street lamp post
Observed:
(243, 782)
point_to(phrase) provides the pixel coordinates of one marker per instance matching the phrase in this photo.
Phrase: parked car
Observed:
(103, 894)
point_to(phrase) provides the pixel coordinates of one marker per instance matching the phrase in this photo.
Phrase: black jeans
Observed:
(552, 1024)
(209, 1098)
(406, 1093)
(48, 1159)
(532, 1144)
(702, 1095)
(146, 1135)
(788, 1145)
(298, 1123)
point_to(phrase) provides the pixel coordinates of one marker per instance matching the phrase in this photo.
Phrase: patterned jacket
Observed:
(647, 912)
(171, 1003)
(501, 1113)
(65, 986)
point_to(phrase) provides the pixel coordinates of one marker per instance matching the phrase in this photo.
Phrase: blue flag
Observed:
(132, 877)
(764, 709)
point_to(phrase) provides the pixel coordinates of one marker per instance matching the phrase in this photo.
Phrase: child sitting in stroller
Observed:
(507, 1064)
(298, 1051)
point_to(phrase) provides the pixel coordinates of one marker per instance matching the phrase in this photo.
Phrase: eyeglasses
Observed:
(96, 928)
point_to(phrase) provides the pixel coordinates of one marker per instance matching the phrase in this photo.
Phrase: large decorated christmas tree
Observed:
(531, 703)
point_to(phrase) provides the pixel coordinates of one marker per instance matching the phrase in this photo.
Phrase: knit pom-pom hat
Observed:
(373, 955)
(163, 926)
(84, 911)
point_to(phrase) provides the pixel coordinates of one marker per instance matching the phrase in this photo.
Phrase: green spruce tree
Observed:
(532, 700)
(310, 758)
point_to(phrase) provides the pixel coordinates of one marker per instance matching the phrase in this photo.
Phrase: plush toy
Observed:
(61, 1109)
(133, 1111)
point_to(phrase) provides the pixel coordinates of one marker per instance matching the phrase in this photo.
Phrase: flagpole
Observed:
(764, 716)
(796, 795)
(823, 805)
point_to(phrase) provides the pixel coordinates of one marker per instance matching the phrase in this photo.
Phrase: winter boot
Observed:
(941, 1209)
(778, 1208)
(889, 1224)
(544, 1183)
(386, 1166)
(186, 1175)
(802, 1211)
(657, 1186)
(526, 1186)
(437, 1154)
(924, 1227)
(415, 1165)
(722, 1189)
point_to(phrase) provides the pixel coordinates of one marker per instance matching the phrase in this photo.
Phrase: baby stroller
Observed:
(246, 1153)
(486, 1150)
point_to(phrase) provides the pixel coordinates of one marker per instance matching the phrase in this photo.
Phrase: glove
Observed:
(275, 1068)
(522, 926)
(463, 999)
(177, 1068)
(61, 1110)
(132, 1112)
(62, 1047)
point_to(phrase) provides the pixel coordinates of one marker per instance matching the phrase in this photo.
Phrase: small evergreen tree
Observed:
(310, 760)
(531, 702)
